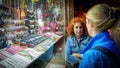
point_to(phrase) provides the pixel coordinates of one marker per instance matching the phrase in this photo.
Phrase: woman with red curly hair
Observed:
(76, 41)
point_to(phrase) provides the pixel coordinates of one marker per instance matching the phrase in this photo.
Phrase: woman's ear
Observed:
(91, 23)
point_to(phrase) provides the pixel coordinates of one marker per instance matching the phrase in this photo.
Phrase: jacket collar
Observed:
(101, 39)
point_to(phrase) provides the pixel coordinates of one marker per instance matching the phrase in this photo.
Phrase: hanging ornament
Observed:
(23, 6)
(22, 14)
(20, 22)
(34, 1)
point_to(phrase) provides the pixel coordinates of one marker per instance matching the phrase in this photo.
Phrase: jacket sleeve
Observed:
(68, 54)
(92, 59)
(87, 61)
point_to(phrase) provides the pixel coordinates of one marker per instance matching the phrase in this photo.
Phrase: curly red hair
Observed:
(72, 23)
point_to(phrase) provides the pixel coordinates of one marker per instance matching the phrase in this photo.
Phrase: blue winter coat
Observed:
(96, 59)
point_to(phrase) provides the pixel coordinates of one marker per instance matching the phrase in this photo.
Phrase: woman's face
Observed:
(78, 29)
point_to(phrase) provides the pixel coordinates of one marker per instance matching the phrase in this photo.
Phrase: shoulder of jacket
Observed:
(70, 38)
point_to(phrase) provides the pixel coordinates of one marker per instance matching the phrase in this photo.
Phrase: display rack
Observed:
(4, 18)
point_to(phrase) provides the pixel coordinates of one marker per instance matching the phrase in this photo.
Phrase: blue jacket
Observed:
(96, 59)
(73, 46)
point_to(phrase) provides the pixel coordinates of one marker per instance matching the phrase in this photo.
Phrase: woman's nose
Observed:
(79, 28)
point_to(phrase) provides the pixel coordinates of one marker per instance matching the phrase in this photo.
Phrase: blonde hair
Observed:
(104, 17)
(100, 15)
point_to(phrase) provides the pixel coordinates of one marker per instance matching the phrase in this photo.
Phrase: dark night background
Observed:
(86, 4)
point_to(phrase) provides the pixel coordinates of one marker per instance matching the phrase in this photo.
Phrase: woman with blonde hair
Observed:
(102, 51)
(76, 41)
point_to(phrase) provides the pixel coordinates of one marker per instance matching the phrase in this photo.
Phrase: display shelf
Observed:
(4, 15)
(28, 56)
(41, 53)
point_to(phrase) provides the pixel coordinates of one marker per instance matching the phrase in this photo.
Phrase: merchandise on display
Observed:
(28, 32)
(4, 54)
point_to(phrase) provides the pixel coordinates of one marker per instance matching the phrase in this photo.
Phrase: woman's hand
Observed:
(77, 55)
